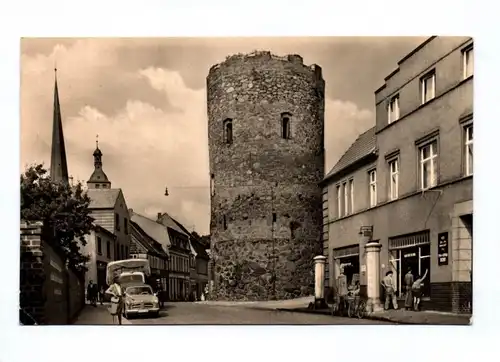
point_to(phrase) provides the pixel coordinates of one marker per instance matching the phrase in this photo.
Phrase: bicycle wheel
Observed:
(361, 311)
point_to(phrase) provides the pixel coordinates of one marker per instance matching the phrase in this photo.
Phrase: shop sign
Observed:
(410, 255)
(342, 265)
(443, 248)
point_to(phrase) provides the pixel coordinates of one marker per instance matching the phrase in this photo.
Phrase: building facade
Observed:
(144, 246)
(100, 248)
(108, 207)
(180, 255)
(266, 147)
(407, 182)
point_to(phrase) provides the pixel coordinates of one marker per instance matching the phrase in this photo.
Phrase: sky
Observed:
(146, 99)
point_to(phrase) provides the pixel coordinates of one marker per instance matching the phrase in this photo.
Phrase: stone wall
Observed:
(49, 291)
(266, 213)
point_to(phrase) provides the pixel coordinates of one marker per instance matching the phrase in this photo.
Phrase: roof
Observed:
(364, 145)
(169, 222)
(150, 244)
(196, 247)
(154, 230)
(103, 198)
(98, 176)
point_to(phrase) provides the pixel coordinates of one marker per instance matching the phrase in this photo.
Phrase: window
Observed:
(212, 184)
(97, 186)
(339, 202)
(468, 149)
(125, 225)
(99, 246)
(285, 125)
(228, 131)
(117, 252)
(351, 191)
(393, 109)
(428, 165)
(117, 222)
(108, 249)
(123, 252)
(428, 86)
(394, 179)
(346, 200)
(373, 188)
(126, 252)
(468, 56)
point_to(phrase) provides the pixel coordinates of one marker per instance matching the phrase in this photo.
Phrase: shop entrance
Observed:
(347, 259)
(416, 258)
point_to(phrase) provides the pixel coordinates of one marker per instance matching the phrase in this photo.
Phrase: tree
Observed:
(62, 208)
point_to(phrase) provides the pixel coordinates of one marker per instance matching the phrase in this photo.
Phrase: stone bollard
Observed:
(373, 275)
(319, 285)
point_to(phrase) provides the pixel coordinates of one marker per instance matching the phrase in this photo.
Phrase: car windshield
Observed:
(131, 278)
(139, 291)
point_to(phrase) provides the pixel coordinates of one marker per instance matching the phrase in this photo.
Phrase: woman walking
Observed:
(409, 280)
(417, 290)
(116, 308)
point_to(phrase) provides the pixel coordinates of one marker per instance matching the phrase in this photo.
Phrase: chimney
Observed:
(159, 217)
(130, 212)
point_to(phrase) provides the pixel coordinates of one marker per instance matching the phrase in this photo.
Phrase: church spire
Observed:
(98, 179)
(58, 162)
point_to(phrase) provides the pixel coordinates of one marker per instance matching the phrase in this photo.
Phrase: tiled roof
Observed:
(103, 198)
(363, 146)
(153, 229)
(150, 244)
(168, 221)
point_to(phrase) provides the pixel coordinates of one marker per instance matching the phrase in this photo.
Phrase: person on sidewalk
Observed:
(116, 308)
(91, 293)
(101, 294)
(342, 290)
(390, 291)
(408, 289)
(417, 290)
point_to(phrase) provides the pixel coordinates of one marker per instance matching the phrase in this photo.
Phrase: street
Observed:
(193, 313)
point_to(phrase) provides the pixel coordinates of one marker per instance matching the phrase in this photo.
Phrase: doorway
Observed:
(417, 258)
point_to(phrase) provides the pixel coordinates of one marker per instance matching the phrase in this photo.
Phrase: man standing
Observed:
(390, 291)
(408, 288)
(342, 289)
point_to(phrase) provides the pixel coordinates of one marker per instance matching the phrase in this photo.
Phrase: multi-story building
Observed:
(180, 254)
(100, 248)
(198, 264)
(408, 180)
(150, 241)
(108, 207)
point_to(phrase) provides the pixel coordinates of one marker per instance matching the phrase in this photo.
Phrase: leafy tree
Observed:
(61, 207)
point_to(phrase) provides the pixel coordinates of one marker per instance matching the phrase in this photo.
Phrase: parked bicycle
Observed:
(350, 306)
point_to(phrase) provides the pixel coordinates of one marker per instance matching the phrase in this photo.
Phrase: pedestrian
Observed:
(116, 308)
(342, 289)
(390, 291)
(101, 294)
(417, 290)
(408, 289)
(90, 292)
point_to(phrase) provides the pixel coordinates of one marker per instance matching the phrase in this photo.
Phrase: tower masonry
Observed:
(266, 147)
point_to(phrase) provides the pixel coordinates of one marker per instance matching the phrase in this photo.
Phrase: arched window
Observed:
(285, 125)
(228, 131)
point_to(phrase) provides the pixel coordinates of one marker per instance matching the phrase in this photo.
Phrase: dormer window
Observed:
(228, 131)
(285, 125)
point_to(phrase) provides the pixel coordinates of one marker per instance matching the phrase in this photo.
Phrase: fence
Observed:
(50, 292)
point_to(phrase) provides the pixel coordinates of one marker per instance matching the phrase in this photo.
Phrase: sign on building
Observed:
(443, 248)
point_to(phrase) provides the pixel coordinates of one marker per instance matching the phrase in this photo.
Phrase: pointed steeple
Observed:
(98, 179)
(58, 162)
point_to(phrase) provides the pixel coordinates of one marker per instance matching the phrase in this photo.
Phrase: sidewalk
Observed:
(97, 316)
(400, 316)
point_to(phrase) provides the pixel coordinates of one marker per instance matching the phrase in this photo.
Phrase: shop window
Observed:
(413, 256)
(347, 260)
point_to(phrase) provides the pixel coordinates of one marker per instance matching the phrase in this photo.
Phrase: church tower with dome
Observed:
(98, 179)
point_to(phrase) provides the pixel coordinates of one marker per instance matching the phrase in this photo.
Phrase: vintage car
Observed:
(140, 300)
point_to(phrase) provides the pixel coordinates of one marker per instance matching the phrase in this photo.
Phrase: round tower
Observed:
(265, 130)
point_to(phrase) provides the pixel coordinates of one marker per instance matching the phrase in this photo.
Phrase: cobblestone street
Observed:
(192, 313)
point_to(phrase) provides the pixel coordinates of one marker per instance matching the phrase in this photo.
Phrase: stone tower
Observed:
(58, 161)
(266, 147)
(98, 179)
